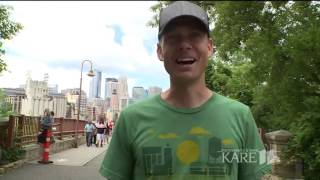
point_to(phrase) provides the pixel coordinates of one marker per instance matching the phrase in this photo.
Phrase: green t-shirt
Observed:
(153, 140)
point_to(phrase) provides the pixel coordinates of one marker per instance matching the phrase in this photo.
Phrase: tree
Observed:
(5, 108)
(269, 52)
(8, 29)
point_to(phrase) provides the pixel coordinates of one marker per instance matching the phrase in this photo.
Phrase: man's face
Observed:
(185, 48)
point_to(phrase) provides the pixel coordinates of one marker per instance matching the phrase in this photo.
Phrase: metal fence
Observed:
(24, 130)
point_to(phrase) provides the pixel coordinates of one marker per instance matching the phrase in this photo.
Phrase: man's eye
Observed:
(172, 39)
(195, 35)
(173, 36)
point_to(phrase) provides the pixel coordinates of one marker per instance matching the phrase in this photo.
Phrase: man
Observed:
(89, 128)
(188, 131)
(46, 123)
(47, 120)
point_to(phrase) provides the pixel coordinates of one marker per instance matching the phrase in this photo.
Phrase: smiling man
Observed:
(188, 131)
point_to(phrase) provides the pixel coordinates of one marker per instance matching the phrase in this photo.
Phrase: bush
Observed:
(12, 154)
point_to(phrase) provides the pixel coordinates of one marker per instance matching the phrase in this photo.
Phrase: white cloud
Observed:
(66, 33)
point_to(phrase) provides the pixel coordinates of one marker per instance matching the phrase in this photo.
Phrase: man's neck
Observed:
(187, 96)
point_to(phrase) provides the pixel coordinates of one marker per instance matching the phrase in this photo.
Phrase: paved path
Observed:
(80, 163)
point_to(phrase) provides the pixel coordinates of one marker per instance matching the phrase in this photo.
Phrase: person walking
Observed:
(101, 128)
(94, 135)
(109, 125)
(89, 128)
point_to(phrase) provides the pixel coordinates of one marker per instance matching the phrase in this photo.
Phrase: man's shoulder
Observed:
(231, 104)
(142, 105)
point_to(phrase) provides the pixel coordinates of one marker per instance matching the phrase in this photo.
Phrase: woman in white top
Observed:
(101, 128)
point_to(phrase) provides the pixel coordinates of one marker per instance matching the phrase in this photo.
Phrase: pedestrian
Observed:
(46, 123)
(106, 135)
(187, 131)
(52, 140)
(47, 120)
(110, 125)
(109, 130)
(101, 128)
(94, 136)
(89, 128)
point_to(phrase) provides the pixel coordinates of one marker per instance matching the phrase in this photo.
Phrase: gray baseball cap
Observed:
(178, 9)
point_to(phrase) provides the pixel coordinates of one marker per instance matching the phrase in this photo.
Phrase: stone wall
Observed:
(33, 151)
(282, 169)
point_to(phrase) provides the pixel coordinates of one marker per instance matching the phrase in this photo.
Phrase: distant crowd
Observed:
(98, 133)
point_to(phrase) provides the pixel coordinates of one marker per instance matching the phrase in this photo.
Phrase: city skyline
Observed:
(54, 88)
(57, 43)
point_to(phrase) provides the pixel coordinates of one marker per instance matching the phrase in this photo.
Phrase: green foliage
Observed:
(5, 108)
(12, 154)
(268, 58)
(230, 80)
(8, 29)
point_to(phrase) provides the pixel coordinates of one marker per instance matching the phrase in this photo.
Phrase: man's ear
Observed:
(159, 52)
(210, 48)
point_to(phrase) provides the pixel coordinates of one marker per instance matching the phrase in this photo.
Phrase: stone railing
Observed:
(282, 169)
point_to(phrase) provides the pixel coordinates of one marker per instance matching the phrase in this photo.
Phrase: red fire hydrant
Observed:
(46, 148)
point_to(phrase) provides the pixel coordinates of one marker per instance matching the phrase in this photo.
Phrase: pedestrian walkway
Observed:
(75, 156)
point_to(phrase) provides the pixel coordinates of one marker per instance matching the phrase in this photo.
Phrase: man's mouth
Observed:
(185, 61)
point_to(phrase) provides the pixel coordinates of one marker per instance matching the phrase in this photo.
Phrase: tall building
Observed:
(138, 93)
(95, 107)
(111, 85)
(123, 103)
(123, 87)
(95, 85)
(38, 98)
(123, 94)
(154, 90)
(53, 88)
(114, 102)
(14, 97)
(72, 96)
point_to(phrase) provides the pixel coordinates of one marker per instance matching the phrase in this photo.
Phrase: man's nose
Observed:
(185, 43)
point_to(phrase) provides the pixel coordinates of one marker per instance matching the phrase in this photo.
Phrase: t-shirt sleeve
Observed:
(118, 161)
(256, 165)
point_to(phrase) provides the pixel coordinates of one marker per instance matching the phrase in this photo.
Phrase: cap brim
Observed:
(165, 26)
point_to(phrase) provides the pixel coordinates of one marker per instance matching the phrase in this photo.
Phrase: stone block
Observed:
(278, 137)
(292, 170)
(18, 163)
(2, 171)
(8, 166)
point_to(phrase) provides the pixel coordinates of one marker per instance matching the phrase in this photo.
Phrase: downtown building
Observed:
(154, 90)
(72, 96)
(123, 95)
(111, 94)
(138, 93)
(116, 95)
(13, 97)
(95, 107)
(34, 98)
(95, 85)
(111, 85)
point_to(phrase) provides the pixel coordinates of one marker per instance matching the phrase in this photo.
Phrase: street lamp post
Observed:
(90, 74)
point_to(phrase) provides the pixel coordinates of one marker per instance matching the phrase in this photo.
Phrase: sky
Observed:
(58, 36)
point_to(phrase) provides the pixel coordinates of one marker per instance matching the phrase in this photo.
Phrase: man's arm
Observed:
(258, 166)
(119, 161)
